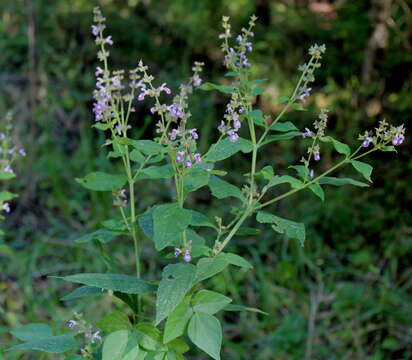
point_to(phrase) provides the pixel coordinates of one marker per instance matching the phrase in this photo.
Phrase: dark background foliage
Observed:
(347, 294)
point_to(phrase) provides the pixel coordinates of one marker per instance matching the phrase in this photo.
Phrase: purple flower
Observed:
(304, 93)
(233, 136)
(366, 142)
(198, 158)
(179, 157)
(241, 110)
(197, 81)
(173, 134)
(175, 111)
(237, 124)
(153, 109)
(177, 252)
(22, 152)
(72, 324)
(108, 40)
(311, 174)
(186, 256)
(8, 169)
(165, 89)
(397, 140)
(96, 336)
(96, 29)
(123, 194)
(6, 207)
(307, 133)
(316, 155)
(188, 163)
(194, 134)
(99, 71)
(222, 126)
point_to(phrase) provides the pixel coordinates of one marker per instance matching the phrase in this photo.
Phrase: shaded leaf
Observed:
(100, 181)
(54, 344)
(225, 148)
(82, 291)
(363, 168)
(341, 181)
(222, 189)
(34, 331)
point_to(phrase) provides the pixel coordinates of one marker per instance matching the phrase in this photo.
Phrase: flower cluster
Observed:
(384, 134)
(236, 56)
(308, 70)
(185, 252)
(91, 337)
(231, 123)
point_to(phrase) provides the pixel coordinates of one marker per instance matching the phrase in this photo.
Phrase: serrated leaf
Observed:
(207, 267)
(222, 189)
(116, 282)
(34, 331)
(291, 229)
(224, 149)
(363, 168)
(169, 222)
(100, 181)
(209, 302)
(340, 147)
(114, 322)
(115, 345)
(283, 126)
(177, 320)
(177, 280)
(341, 181)
(205, 332)
(234, 259)
(82, 291)
(54, 344)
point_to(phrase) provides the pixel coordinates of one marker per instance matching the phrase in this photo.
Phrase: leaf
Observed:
(209, 302)
(295, 183)
(298, 106)
(6, 175)
(199, 219)
(340, 147)
(363, 168)
(149, 337)
(207, 267)
(246, 231)
(177, 280)
(231, 74)
(100, 181)
(178, 346)
(224, 149)
(177, 320)
(132, 351)
(82, 291)
(257, 117)
(7, 196)
(115, 345)
(136, 156)
(290, 228)
(222, 88)
(148, 147)
(205, 332)
(286, 136)
(257, 91)
(341, 181)
(34, 331)
(198, 244)
(169, 221)
(387, 148)
(145, 221)
(283, 99)
(302, 171)
(234, 259)
(54, 344)
(196, 179)
(221, 189)
(102, 235)
(233, 307)
(114, 322)
(157, 172)
(317, 190)
(283, 126)
(267, 172)
(116, 282)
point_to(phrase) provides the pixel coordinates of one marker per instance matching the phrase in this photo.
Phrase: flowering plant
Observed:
(184, 308)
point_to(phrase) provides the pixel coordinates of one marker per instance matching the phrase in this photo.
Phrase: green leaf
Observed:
(286, 136)
(7, 196)
(290, 228)
(101, 126)
(198, 244)
(363, 168)
(222, 189)
(149, 337)
(302, 171)
(82, 291)
(114, 322)
(100, 181)
(233, 307)
(196, 179)
(224, 149)
(209, 302)
(177, 320)
(6, 175)
(132, 351)
(177, 280)
(317, 190)
(157, 172)
(387, 148)
(222, 88)
(169, 221)
(257, 117)
(54, 344)
(298, 106)
(136, 156)
(207, 267)
(283, 99)
(295, 183)
(340, 147)
(178, 346)
(31, 332)
(257, 91)
(283, 126)
(148, 147)
(267, 172)
(205, 332)
(199, 219)
(234, 259)
(145, 221)
(341, 181)
(115, 345)
(116, 282)
(102, 235)
(247, 231)
(232, 74)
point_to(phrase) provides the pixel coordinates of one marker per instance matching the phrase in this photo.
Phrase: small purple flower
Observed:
(177, 252)
(123, 194)
(96, 336)
(188, 163)
(366, 142)
(186, 256)
(397, 140)
(22, 152)
(179, 157)
(153, 109)
(222, 126)
(8, 169)
(174, 134)
(2, 136)
(198, 158)
(165, 89)
(237, 124)
(311, 174)
(307, 133)
(197, 81)
(316, 155)
(233, 136)
(194, 134)
(108, 40)
(175, 111)
(241, 110)
(99, 71)
(72, 324)
(304, 93)
(6, 207)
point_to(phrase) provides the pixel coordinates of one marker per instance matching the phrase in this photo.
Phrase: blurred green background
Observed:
(346, 295)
